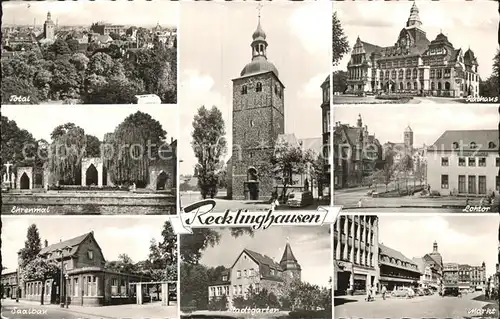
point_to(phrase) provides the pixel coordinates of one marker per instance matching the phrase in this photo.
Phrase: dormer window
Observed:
(224, 278)
(455, 145)
(259, 87)
(491, 145)
(473, 145)
(90, 254)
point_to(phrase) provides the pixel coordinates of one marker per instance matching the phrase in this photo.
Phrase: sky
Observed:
(84, 13)
(311, 246)
(462, 239)
(215, 46)
(418, 117)
(95, 120)
(115, 236)
(379, 23)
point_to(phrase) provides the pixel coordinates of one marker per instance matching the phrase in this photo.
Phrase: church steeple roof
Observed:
(414, 18)
(259, 33)
(288, 260)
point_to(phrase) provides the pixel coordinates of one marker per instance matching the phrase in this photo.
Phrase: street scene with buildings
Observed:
(74, 267)
(264, 137)
(89, 161)
(78, 53)
(422, 52)
(424, 158)
(425, 266)
(284, 269)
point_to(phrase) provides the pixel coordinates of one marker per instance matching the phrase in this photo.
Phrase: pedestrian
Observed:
(360, 203)
(374, 292)
(384, 291)
(368, 293)
(274, 201)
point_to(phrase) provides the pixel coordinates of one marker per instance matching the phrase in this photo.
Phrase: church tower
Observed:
(408, 138)
(291, 268)
(49, 28)
(414, 18)
(258, 119)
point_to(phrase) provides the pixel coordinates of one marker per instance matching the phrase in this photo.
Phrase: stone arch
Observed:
(252, 174)
(91, 176)
(447, 85)
(25, 181)
(440, 86)
(161, 180)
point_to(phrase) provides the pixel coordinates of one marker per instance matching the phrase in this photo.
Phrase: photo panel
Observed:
(410, 52)
(73, 267)
(255, 135)
(408, 266)
(416, 158)
(89, 160)
(69, 52)
(279, 272)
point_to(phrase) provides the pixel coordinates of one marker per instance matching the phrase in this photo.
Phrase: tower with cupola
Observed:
(258, 119)
(49, 28)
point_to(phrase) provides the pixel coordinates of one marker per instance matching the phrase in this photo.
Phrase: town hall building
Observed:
(413, 65)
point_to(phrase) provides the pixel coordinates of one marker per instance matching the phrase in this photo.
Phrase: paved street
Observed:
(130, 311)
(433, 306)
(350, 197)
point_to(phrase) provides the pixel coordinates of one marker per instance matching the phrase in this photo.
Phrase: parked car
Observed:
(401, 292)
(300, 199)
(451, 291)
(427, 292)
(419, 292)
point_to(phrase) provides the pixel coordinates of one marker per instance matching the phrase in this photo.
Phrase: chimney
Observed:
(171, 140)
(46, 243)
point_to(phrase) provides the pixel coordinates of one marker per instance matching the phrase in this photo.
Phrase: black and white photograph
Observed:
(255, 105)
(89, 52)
(280, 272)
(89, 160)
(387, 52)
(73, 267)
(416, 266)
(396, 158)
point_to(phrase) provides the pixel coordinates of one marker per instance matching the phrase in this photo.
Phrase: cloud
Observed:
(307, 20)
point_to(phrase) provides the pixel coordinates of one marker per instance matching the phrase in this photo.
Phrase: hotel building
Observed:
(464, 163)
(355, 249)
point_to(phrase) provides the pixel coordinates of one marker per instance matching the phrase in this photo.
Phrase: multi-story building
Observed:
(464, 277)
(85, 280)
(450, 275)
(425, 270)
(9, 284)
(478, 277)
(434, 261)
(107, 28)
(396, 270)
(327, 130)
(356, 154)
(464, 163)
(355, 249)
(252, 271)
(414, 65)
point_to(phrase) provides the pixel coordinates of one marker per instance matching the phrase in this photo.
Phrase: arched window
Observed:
(455, 145)
(439, 86)
(473, 145)
(259, 87)
(415, 85)
(447, 85)
(408, 86)
(433, 86)
(491, 145)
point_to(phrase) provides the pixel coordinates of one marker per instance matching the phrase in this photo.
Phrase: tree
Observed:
(389, 167)
(93, 147)
(340, 81)
(218, 304)
(209, 145)
(17, 87)
(32, 246)
(68, 143)
(65, 80)
(339, 40)
(59, 48)
(193, 286)
(286, 162)
(319, 173)
(406, 166)
(491, 86)
(18, 146)
(144, 136)
(192, 245)
(113, 91)
(163, 256)
(40, 269)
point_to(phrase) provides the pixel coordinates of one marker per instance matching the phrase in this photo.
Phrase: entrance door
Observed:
(161, 181)
(253, 189)
(25, 181)
(91, 176)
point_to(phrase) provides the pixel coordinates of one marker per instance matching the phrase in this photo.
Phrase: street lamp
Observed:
(62, 298)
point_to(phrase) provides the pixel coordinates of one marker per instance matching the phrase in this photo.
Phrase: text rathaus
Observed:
(414, 65)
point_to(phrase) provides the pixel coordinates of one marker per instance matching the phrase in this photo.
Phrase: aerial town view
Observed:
(422, 52)
(382, 269)
(77, 53)
(429, 159)
(258, 132)
(88, 160)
